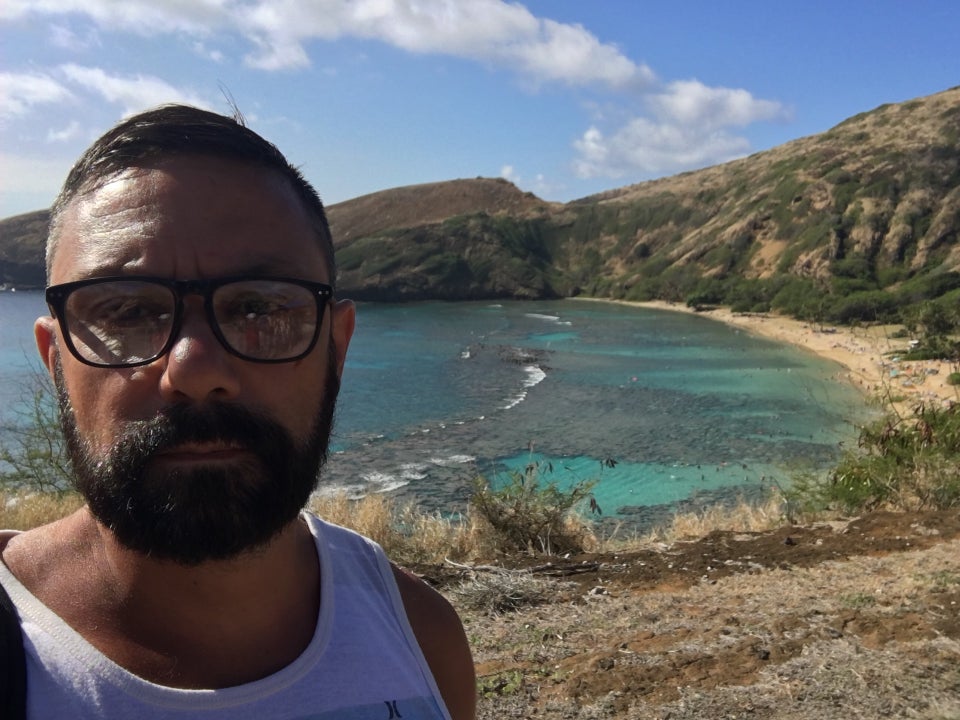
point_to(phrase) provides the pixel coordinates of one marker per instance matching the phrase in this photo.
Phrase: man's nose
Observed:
(198, 367)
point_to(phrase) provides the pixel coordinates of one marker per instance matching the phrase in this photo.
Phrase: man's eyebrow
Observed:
(265, 267)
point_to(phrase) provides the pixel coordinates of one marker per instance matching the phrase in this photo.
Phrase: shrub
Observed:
(865, 306)
(532, 516)
(799, 297)
(905, 463)
(407, 534)
(34, 459)
(953, 378)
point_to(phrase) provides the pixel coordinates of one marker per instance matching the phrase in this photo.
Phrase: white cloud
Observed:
(502, 33)
(21, 92)
(66, 38)
(70, 132)
(203, 51)
(689, 125)
(131, 93)
(569, 53)
(649, 148)
(143, 17)
(693, 104)
(277, 53)
(507, 172)
(647, 127)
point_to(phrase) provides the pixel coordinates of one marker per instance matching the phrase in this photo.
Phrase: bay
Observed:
(19, 362)
(659, 408)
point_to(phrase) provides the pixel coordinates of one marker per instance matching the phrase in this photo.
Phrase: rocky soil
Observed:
(853, 619)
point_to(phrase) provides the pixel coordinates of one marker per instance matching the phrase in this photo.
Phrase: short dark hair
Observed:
(173, 130)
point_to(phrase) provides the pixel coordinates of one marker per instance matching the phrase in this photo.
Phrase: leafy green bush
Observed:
(865, 306)
(745, 295)
(798, 297)
(533, 516)
(928, 287)
(857, 267)
(709, 291)
(904, 463)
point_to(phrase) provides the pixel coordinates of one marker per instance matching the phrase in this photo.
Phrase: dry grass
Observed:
(407, 534)
(411, 536)
(771, 513)
(25, 510)
(499, 591)
(742, 517)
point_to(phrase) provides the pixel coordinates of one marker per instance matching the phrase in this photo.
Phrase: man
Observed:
(197, 349)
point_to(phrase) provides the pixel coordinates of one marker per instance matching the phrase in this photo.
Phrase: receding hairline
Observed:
(94, 184)
(171, 131)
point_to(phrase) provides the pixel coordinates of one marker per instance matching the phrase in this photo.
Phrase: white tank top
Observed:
(363, 662)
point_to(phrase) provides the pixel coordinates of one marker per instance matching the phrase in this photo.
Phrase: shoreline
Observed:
(868, 355)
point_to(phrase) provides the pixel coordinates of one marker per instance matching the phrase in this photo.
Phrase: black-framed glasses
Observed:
(113, 322)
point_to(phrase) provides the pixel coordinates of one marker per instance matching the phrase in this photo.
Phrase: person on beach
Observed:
(196, 345)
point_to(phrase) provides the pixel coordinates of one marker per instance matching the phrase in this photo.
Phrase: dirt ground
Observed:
(853, 619)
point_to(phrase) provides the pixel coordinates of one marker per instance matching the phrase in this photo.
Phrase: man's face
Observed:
(200, 454)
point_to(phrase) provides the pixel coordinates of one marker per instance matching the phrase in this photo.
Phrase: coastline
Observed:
(868, 355)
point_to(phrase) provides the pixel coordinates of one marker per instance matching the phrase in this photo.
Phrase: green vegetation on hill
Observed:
(22, 242)
(857, 224)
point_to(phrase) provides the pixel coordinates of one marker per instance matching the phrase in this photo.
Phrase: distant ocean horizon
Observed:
(661, 408)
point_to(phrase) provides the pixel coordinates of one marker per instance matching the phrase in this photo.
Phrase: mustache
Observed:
(177, 425)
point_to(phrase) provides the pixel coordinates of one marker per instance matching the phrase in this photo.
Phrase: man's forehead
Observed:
(112, 227)
(107, 221)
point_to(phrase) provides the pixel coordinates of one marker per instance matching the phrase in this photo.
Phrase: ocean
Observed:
(661, 409)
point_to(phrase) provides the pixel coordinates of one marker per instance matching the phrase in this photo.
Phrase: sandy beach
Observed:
(868, 355)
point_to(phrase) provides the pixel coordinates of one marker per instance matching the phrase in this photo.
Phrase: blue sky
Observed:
(563, 97)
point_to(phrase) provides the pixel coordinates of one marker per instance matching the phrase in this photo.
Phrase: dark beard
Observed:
(211, 512)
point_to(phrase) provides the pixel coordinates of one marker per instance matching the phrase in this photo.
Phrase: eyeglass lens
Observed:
(131, 321)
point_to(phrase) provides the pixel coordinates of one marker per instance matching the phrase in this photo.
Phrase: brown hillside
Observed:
(883, 184)
(427, 204)
(849, 225)
(22, 244)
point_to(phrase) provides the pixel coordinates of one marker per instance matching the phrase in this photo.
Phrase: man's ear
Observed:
(45, 333)
(344, 318)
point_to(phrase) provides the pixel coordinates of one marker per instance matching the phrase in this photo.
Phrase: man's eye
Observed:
(127, 312)
(252, 307)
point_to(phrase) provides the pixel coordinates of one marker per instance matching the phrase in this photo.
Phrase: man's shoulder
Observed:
(339, 538)
(5, 536)
(420, 599)
(45, 554)
(442, 640)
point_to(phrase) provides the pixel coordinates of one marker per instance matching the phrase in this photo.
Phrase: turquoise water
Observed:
(19, 362)
(437, 393)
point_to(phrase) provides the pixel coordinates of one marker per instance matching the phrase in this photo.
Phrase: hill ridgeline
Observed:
(852, 223)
